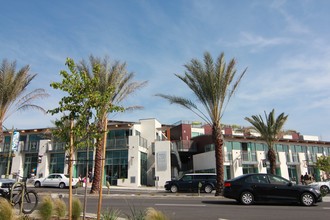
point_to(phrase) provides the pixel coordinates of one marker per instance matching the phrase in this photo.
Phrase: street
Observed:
(192, 206)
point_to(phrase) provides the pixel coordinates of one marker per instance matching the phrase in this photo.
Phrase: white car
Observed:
(56, 180)
(324, 186)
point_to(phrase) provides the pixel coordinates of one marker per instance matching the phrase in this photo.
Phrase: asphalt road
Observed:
(197, 208)
(192, 206)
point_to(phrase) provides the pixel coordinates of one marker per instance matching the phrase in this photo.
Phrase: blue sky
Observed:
(284, 44)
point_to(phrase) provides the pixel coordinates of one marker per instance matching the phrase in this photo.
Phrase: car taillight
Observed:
(227, 184)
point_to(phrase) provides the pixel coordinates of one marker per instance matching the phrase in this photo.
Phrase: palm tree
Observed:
(213, 84)
(115, 77)
(13, 95)
(270, 130)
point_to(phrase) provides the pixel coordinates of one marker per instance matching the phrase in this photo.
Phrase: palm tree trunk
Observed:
(218, 143)
(272, 160)
(1, 132)
(97, 164)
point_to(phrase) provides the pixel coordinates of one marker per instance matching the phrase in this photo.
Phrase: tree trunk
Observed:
(1, 133)
(218, 144)
(97, 164)
(272, 160)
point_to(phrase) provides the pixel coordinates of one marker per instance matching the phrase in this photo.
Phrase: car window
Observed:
(200, 177)
(186, 178)
(59, 176)
(278, 180)
(257, 179)
(51, 177)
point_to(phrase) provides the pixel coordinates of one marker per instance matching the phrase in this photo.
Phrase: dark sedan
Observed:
(250, 188)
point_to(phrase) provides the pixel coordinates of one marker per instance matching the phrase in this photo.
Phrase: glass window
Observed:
(186, 178)
(260, 147)
(277, 180)
(257, 179)
(229, 146)
(236, 145)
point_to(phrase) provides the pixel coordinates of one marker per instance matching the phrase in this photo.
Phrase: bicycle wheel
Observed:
(30, 202)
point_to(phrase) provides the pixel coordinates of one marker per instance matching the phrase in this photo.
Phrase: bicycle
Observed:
(19, 195)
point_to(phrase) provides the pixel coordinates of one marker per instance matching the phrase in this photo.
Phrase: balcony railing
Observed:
(30, 147)
(57, 146)
(5, 147)
(185, 146)
(311, 158)
(228, 157)
(249, 156)
(119, 143)
(292, 158)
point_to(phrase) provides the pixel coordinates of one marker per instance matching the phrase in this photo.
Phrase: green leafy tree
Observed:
(323, 163)
(13, 91)
(77, 108)
(270, 130)
(113, 76)
(213, 84)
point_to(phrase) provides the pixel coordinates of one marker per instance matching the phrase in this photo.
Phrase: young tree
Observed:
(270, 130)
(82, 99)
(323, 163)
(213, 84)
(13, 91)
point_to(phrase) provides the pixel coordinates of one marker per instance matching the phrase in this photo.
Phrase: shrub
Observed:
(6, 210)
(46, 208)
(153, 214)
(59, 208)
(76, 208)
(112, 214)
(135, 214)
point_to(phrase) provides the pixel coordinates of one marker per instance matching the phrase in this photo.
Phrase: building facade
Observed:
(148, 153)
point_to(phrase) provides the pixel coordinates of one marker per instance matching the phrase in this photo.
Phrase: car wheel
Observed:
(37, 184)
(62, 185)
(174, 189)
(324, 189)
(247, 198)
(307, 199)
(208, 189)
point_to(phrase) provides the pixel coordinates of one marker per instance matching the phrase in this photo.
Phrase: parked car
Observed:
(6, 183)
(55, 180)
(323, 186)
(250, 188)
(192, 182)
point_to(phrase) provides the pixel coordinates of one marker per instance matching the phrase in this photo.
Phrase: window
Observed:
(257, 179)
(187, 178)
(277, 180)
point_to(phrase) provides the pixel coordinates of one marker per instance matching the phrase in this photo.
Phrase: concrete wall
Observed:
(162, 162)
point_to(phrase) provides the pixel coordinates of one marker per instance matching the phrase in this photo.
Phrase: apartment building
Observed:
(150, 153)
